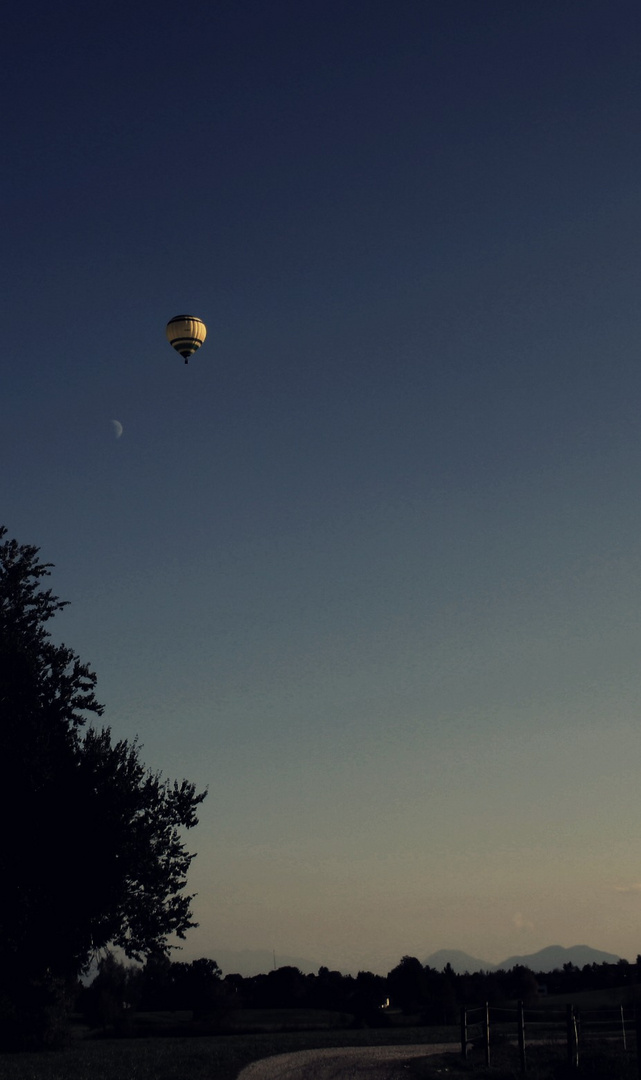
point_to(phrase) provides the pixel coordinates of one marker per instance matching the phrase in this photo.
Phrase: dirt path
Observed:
(342, 1063)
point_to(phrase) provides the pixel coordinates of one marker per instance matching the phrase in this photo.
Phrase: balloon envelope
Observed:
(186, 333)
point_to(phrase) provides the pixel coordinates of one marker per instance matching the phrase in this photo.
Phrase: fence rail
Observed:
(571, 1027)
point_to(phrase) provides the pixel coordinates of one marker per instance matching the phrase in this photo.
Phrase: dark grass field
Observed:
(170, 1047)
(223, 1057)
(543, 1063)
(236, 1021)
(197, 1058)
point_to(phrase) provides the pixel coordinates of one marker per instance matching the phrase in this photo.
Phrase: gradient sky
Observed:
(369, 567)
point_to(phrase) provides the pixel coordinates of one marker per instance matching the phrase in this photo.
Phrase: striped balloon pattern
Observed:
(186, 333)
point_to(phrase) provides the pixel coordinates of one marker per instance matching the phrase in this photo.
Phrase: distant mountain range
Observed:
(248, 962)
(549, 959)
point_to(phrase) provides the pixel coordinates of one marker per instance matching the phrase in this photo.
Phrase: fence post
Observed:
(463, 1031)
(572, 1038)
(625, 1041)
(487, 1034)
(521, 1025)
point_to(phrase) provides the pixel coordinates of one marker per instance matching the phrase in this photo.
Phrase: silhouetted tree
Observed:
(156, 983)
(91, 851)
(370, 995)
(286, 987)
(198, 986)
(480, 986)
(330, 990)
(235, 989)
(521, 985)
(112, 993)
(448, 994)
(407, 985)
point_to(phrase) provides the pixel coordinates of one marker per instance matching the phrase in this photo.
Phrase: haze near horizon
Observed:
(368, 567)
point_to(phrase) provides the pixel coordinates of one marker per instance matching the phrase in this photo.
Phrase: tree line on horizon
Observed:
(429, 996)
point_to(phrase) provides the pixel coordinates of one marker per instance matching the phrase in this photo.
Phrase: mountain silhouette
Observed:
(555, 956)
(549, 959)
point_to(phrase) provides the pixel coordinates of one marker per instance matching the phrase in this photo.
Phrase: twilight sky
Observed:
(369, 567)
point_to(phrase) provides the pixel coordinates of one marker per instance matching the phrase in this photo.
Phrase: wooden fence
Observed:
(569, 1027)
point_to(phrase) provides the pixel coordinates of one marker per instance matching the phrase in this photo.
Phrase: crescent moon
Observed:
(117, 428)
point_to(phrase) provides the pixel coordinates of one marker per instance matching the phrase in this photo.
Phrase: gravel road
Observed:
(342, 1063)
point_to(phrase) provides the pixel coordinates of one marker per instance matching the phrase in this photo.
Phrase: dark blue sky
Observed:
(368, 566)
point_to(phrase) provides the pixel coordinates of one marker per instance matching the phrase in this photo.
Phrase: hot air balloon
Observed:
(186, 333)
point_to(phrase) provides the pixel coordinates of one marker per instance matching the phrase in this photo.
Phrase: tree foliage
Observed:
(92, 851)
(119, 993)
